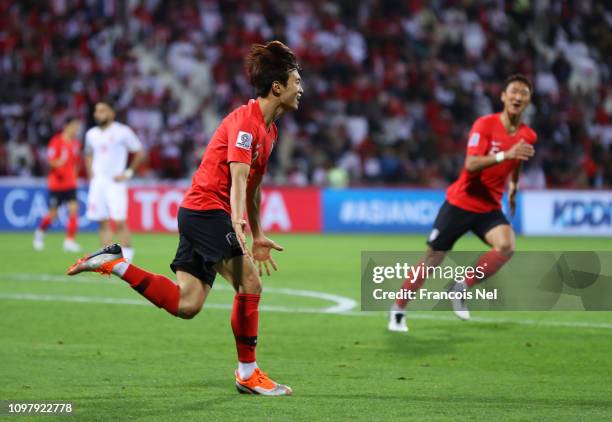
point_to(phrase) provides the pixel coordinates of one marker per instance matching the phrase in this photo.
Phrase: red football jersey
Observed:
(63, 177)
(482, 191)
(241, 137)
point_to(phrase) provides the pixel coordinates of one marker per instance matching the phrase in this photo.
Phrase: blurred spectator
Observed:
(390, 87)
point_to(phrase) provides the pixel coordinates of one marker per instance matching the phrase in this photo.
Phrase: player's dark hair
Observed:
(107, 102)
(518, 77)
(70, 118)
(268, 63)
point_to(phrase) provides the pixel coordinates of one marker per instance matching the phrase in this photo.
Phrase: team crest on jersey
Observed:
(244, 140)
(474, 139)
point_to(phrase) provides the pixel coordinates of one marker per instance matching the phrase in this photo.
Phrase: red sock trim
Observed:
(45, 223)
(71, 227)
(490, 262)
(159, 290)
(245, 321)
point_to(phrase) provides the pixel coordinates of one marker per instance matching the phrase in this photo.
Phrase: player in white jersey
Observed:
(107, 146)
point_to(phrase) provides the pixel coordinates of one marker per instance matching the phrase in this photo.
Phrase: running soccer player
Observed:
(497, 145)
(107, 146)
(63, 158)
(211, 217)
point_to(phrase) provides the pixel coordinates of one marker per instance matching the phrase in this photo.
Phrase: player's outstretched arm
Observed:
(521, 151)
(88, 163)
(55, 162)
(138, 159)
(261, 244)
(239, 173)
(253, 203)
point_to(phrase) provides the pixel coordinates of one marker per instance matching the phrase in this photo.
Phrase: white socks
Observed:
(396, 308)
(245, 370)
(120, 268)
(128, 253)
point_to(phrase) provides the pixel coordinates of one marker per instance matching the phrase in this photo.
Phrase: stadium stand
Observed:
(391, 87)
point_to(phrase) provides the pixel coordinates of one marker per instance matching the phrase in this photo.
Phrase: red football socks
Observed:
(45, 223)
(71, 227)
(245, 319)
(159, 290)
(490, 263)
(413, 283)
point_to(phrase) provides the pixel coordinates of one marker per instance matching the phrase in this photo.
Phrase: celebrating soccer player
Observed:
(106, 154)
(497, 145)
(63, 156)
(211, 217)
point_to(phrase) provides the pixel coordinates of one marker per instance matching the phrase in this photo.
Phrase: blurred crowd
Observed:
(391, 87)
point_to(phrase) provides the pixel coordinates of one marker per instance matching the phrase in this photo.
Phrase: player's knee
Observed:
(252, 284)
(434, 258)
(505, 247)
(189, 310)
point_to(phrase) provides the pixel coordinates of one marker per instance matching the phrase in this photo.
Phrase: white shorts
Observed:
(107, 200)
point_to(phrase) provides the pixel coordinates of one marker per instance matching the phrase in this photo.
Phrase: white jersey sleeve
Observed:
(132, 142)
(88, 143)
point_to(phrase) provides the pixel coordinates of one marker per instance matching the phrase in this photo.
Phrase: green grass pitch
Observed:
(94, 342)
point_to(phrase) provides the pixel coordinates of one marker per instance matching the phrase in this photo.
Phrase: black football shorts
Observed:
(58, 197)
(453, 222)
(205, 238)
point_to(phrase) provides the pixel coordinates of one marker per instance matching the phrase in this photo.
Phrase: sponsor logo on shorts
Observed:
(244, 140)
(233, 242)
(434, 235)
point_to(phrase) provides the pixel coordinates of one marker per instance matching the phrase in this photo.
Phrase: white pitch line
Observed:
(57, 278)
(119, 301)
(340, 303)
(532, 322)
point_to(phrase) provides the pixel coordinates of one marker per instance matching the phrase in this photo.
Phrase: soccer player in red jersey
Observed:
(497, 145)
(63, 156)
(211, 217)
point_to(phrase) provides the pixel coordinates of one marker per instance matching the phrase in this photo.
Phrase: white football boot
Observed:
(459, 307)
(39, 240)
(71, 246)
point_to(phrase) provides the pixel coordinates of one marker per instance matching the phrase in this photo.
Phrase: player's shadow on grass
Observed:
(523, 401)
(441, 338)
(218, 392)
(479, 402)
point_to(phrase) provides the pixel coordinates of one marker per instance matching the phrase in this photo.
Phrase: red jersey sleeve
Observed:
(53, 150)
(240, 141)
(479, 139)
(532, 137)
